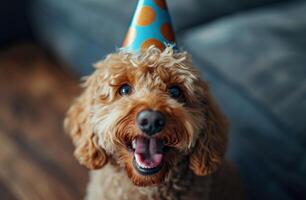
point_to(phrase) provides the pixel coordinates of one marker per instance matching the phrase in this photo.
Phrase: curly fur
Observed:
(101, 122)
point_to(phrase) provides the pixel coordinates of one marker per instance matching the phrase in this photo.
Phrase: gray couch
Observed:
(253, 53)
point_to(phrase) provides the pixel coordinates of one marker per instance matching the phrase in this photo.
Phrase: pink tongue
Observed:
(147, 152)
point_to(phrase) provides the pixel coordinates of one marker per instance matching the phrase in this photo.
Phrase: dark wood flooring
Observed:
(36, 161)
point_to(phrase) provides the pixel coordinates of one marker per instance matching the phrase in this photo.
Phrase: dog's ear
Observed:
(210, 147)
(77, 125)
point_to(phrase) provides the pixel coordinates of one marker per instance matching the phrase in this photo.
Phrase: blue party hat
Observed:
(151, 25)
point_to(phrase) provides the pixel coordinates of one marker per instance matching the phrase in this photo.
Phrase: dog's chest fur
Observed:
(110, 183)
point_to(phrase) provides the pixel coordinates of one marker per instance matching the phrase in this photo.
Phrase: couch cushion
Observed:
(82, 31)
(256, 64)
(198, 11)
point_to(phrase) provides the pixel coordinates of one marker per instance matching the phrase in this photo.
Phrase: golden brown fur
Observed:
(101, 123)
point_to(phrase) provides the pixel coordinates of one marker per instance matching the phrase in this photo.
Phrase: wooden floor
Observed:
(36, 161)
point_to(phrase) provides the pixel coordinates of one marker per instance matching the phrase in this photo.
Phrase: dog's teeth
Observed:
(134, 144)
(137, 159)
(140, 163)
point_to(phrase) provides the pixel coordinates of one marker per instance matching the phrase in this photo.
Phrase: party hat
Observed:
(151, 25)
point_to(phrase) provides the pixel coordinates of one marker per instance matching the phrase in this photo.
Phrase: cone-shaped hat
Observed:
(151, 25)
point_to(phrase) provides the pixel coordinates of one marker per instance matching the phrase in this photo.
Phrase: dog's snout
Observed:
(151, 122)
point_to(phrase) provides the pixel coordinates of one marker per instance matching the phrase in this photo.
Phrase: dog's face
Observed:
(146, 113)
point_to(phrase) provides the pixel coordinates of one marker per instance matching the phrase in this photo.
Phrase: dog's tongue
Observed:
(148, 152)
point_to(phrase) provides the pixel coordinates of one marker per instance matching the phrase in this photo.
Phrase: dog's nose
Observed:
(151, 122)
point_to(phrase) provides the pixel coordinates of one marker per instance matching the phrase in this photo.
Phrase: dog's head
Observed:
(147, 112)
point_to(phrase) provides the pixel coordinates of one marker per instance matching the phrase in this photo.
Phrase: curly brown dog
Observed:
(148, 125)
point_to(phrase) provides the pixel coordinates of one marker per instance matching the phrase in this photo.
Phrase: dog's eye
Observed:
(175, 92)
(125, 89)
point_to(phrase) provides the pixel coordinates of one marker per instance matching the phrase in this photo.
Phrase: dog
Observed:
(148, 128)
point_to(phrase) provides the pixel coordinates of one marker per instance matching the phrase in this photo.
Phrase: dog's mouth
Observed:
(148, 155)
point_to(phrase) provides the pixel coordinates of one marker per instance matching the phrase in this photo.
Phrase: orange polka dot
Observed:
(167, 32)
(130, 37)
(161, 3)
(152, 42)
(146, 16)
